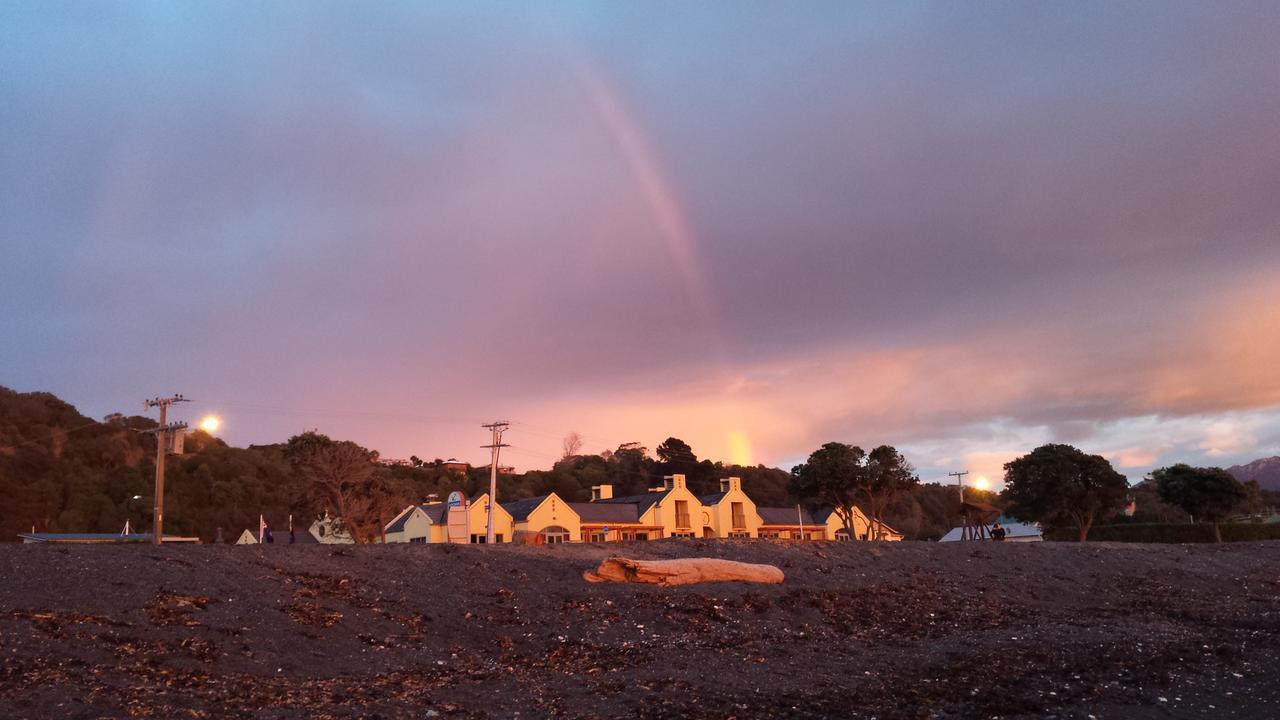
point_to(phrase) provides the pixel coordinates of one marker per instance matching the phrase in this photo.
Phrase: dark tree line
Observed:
(63, 472)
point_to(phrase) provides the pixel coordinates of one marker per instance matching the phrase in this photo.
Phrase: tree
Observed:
(832, 476)
(887, 473)
(674, 451)
(572, 445)
(1059, 485)
(341, 476)
(842, 475)
(629, 467)
(1206, 493)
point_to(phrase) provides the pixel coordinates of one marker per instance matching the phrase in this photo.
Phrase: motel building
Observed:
(455, 520)
(666, 511)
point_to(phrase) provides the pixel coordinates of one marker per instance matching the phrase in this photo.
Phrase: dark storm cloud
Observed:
(576, 209)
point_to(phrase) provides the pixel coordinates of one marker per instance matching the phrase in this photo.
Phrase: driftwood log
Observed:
(685, 571)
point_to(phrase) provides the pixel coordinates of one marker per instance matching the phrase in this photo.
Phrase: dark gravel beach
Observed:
(901, 630)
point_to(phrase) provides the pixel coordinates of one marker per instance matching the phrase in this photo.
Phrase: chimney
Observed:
(735, 483)
(724, 485)
(601, 492)
(670, 482)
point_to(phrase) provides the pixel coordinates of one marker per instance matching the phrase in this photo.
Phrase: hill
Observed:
(1265, 470)
(885, 630)
(63, 472)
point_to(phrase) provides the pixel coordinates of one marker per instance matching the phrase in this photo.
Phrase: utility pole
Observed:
(163, 434)
(959, 476)
(496, 428)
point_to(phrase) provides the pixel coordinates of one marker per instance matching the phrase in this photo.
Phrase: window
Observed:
(479, 538)
(739, 516)
(769, 534)
(681, 534)
(555, 535)
(597, 537)
(417, 540)
(682, 514)
(641, 536)
(843, 534)
(740, 535)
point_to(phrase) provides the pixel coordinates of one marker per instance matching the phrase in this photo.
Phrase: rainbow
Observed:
(646, 170)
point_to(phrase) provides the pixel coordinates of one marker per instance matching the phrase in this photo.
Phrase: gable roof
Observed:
(785, 516)
(520, 509)
(642, 502)
(596, 512)
(434, 512)
(712, 499)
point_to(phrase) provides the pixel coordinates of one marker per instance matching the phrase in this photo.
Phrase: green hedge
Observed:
(1167, 533)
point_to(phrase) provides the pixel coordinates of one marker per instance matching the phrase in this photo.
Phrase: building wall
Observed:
(553, 512)
(861, 525)
(663, 512)
(417, 526)
(478, 519)
(720, 516)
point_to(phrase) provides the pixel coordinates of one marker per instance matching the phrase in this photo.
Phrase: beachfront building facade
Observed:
(544, 520)
(729, 513)
(669, 509)
(430, 522)
(666, 511)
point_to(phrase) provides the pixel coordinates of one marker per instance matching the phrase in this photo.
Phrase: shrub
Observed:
(1169, 533)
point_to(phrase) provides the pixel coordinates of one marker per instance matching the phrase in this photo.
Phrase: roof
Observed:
(1012, 529)
(712, 499)
(596, 512)
(98, 537)
(520, 509)
(822, 514)
(401, 520)
(642, 502)
(785, 516)
(434, 512)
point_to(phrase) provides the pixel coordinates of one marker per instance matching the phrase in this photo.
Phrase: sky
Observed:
(963, 229)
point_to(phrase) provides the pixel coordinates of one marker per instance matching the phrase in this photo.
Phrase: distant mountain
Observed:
(1266, 471)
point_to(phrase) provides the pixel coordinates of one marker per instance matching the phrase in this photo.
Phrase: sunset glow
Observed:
(210, 423)
(754, 231)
